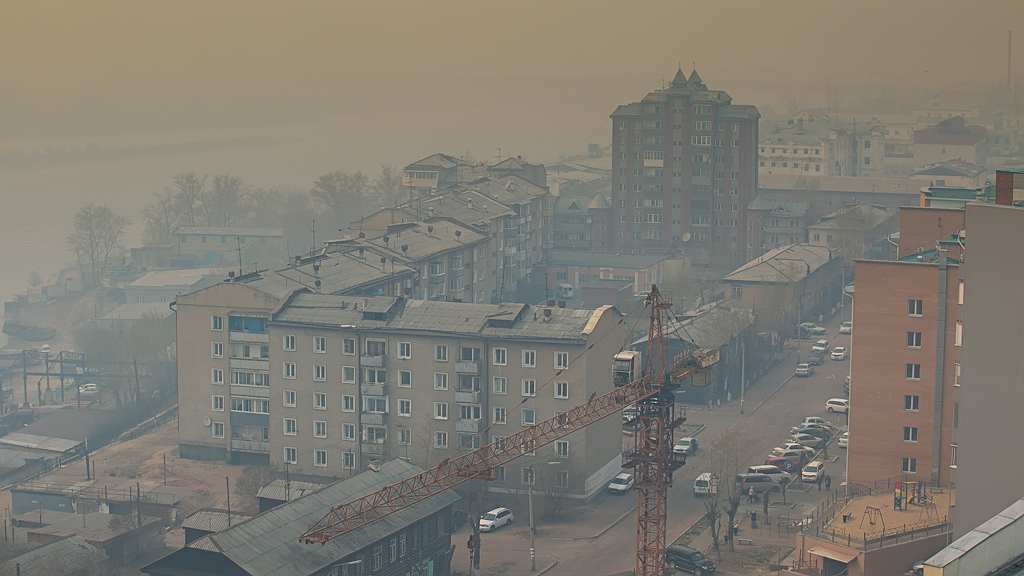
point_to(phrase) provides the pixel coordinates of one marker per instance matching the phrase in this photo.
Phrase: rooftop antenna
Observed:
(312, 250)
(499, 155)
(238, 239)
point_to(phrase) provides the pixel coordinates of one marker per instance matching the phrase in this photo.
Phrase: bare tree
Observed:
(225, 204)
(713, 512)
(388, 186)
(190, 192)
(97, 236)
(726, 458)
(162, 216)
(345, 193)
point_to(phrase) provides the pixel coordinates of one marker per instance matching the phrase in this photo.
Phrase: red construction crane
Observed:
(652, 457)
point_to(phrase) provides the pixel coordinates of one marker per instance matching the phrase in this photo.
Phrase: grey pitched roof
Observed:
(339, 273)
(961, 546)
(287, 490)
(269, 543)
(72, 550)
(210, 520)
(856, 216)
(214, 231)
(599, 203)
(438, 160)
(795, 209)
(713, 328)
(782, 265)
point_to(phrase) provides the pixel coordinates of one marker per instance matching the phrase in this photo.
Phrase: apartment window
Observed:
(217, 350)
(348, 431)
(216, 323)
(404, 407)
(909, 465)
(913, 339)
(529, 417)
(499, 414)
(348, 460)
(320, 458)
(911, 403)
(960, 293)
(956, 374)
(500, 385)
(913, 371)
(441, 353)
(737, 291)
(376, 376)
(527, 476)
(915, 307)
(959, 338)
(319, 372)
(469, 412)
(250, 405)
(348, 346)
(529, 387)
(320, 428)
(218, 403)
(952, 456)
(217, 376)
(375, 404)
(561, 390)
(348, 403)
(440, 410)
(348, 374)
(218, 429)
(562, 479)
(291, 428)
(320, 344)
(291, 455)
(405, 350)
(405, 378)
(440, 381)
(561, 448)
(956, 414)
(320, 401)
(910, 434)
(289, 370)
(529, 358)
(405, 436)
(440, 439)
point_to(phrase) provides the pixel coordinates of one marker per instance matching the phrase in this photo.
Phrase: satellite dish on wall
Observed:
(207, 421)
(686, 237)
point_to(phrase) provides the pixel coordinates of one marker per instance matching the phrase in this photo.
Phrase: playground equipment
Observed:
(910, 493)
(872, 515)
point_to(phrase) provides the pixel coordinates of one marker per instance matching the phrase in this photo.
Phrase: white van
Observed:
(838, 405)
(565, 290)
(706, 483)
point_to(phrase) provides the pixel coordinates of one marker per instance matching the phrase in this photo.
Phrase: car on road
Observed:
(621, 483)
(795, 446)
(805, 440)
(838, 405)
(813, 328)
(495, 519)
(88, 389)
(846, 328)
(706, 483)
(844, 440)
(804, 369)
(813, 471)
(816, 358)
(688, 560)
(820, 346)
(839, 353)
(686, 446)
(45, 349)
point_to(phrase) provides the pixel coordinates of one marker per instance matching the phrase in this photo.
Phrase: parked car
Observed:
(826, 428)
(88, 389)
(816, 358)
(688, 560)
(838, 405)
(839, 353)
(795, 446)
(819, 421)
(844, 440)
(621, 483)
(782, 463)
(761, 483)
(794, 456)
(45, 349)
(495, 519)
(706, 483)
(813, 328)
(820, 346)
(774, 471)
(813, 471)
(812, 431)
(804, 440)
(804, 369)
(686, 446)
(846, 328)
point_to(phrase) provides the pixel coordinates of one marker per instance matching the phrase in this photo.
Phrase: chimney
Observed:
(1004, 188)
(561, 303)
(551, 302)
(547, 314)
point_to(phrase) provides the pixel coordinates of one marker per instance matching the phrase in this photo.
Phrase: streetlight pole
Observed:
(533, 530)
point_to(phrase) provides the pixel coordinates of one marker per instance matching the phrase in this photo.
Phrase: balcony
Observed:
(250, 391)
(372, 361)
(467, 366)
(468, 426)
(374, 418)
(374, 389)
(437, 278)
(467, 396)
(249, 364)
(457, 272)
(373, 449)
(654, 163)
(251, 446)
(237, 336)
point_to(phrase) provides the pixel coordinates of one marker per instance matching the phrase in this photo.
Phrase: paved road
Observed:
(601, 538)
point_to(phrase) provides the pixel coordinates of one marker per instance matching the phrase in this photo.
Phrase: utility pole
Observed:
(533, 531)
(227, 488)
(743, 371)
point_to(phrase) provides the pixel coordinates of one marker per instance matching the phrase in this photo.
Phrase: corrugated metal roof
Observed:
(212, 231)
(34, 442)
(211, 520)
(269, 543)
(287, 490)
(1011, 514)
(41, 560)
(186, 277)
(782, 265)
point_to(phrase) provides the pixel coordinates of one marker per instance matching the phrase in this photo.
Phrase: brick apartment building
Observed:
(684, 169)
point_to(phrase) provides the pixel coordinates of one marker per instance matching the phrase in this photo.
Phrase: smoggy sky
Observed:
(143, 46)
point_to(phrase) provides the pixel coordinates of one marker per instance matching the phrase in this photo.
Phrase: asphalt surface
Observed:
(600, 538)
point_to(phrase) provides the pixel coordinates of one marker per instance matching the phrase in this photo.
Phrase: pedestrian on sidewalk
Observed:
(750, 495)
(819, 482)
(828, 482)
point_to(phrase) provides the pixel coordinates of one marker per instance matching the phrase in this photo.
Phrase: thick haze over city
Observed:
(280, 93)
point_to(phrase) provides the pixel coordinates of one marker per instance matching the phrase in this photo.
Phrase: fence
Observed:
(97, 493)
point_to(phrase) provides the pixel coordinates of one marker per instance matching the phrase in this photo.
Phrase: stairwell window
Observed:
(913, 371)
(910, 434)
(915, 307)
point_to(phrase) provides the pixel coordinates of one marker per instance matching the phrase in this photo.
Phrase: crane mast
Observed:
(652, 458)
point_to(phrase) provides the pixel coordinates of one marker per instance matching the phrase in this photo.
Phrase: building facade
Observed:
(684, 169)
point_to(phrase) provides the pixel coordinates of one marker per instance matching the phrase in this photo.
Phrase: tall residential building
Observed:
(902, 369)
(989, 390)
(327, 384)
(684, 169)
